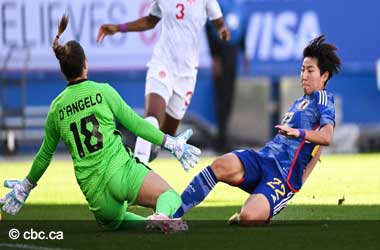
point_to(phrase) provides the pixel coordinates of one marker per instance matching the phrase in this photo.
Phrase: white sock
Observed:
(142, 147)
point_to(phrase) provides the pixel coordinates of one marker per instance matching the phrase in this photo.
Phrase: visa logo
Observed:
(280, 36)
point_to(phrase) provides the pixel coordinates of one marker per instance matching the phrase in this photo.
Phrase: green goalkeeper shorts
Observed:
(121, 191)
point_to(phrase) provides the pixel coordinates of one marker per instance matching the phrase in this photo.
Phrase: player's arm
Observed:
(145, 23)
(214, 13)
(130, 119)
(187, 154)
(45, 154)
(141, 24)
(322, 137)
(326, 112)
(223, 31)
(14, 200)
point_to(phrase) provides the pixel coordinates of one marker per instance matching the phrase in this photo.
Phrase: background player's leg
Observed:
(224, 85)
(156, 193)
(178, 103)
(170, 125)
(256, 210)
(154, 112)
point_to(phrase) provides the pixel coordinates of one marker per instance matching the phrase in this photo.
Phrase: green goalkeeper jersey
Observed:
(83, 116)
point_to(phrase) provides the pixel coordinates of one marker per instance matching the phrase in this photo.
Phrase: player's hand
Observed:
(224, 34)
(187, 154)
(106, 29)
(288, 131)
(14, 200)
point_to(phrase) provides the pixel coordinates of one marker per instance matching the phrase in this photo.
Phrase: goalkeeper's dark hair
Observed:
(326, 55)
(71, 56)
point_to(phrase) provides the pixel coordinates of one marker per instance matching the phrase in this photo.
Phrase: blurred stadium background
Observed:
(274, 31)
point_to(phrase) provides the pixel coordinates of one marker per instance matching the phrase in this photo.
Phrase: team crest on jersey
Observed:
(162, 74)
(191, 1)
(303, 105)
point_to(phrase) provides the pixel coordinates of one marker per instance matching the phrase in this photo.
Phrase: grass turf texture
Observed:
(313, 218)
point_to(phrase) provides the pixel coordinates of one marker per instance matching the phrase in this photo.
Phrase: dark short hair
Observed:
(326, 55)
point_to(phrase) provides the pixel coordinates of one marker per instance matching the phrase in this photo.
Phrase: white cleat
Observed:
(162, 223)
(178, 225)
(157, 223)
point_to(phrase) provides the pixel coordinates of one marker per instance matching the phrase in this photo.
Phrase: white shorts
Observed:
(177, 91)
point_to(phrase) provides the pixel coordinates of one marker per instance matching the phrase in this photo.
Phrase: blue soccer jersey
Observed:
(309, 112)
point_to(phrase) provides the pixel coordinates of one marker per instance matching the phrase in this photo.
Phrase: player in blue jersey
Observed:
(274, 173)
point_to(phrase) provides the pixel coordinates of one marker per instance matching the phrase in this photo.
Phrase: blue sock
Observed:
(196, 191)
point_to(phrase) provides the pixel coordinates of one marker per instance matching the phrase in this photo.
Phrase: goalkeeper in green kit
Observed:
(109, 176)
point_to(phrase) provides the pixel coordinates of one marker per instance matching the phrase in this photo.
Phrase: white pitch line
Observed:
(31, 247)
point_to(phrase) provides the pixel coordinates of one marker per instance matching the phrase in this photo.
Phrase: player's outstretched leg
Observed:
(197, 190)
(227, 169)
(255, 211)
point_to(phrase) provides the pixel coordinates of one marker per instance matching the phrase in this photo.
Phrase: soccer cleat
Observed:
(162, 223)
(157, 223)
(234, 219)
(178, 225)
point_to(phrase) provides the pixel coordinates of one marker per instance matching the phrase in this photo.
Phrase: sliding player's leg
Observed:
(269, 196)
(256, 210)
(227, 168)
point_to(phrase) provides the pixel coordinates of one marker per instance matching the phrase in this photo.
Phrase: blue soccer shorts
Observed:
(262, 176)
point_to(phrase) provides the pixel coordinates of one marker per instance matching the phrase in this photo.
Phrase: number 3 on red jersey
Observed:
(181, 9)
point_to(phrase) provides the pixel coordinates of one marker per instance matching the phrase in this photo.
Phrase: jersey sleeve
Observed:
(130, 119)
(213, 9)
(49, 145)
(155, 9)
(325, 106)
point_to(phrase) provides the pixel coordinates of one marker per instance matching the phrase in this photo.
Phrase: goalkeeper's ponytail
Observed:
(59, 50)
(71, 56)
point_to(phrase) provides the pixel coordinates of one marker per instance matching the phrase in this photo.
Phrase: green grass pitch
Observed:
(313, 218)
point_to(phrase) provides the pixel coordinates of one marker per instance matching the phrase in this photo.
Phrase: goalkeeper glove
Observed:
(14, 200)
(187, 154)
